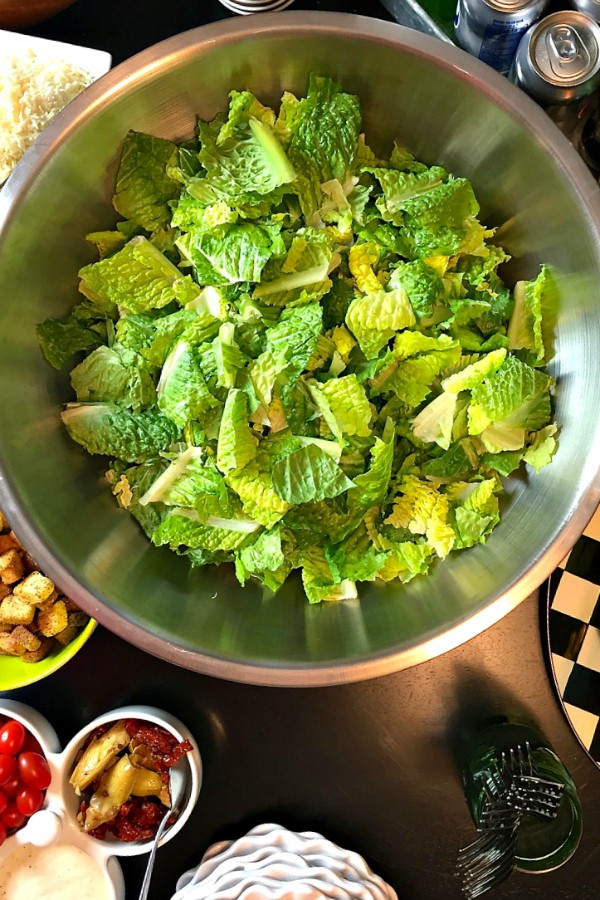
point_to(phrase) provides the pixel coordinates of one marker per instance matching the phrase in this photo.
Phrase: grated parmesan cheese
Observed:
(32, 92)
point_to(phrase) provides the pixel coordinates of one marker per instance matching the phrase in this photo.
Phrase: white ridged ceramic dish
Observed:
(272, 863)
(247, 7)
(63, 803)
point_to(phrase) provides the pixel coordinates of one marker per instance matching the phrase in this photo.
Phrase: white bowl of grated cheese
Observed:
(37, 79)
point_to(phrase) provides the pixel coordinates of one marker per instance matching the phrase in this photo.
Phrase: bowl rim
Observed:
(504, 95)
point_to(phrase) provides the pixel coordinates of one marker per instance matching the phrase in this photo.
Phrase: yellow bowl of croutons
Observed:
(40, 629)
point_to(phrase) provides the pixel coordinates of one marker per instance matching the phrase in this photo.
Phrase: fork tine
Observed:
(477, 882)
(493, 859)
(541, 784)
(503, 866)
(536, 797)
(504, 816)
(532, 769)
(480, 849)
(474, 850)
(482, 885)
(503, 847)
(488, 844)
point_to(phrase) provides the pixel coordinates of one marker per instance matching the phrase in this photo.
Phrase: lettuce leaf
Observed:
(475, 373)
(264, 555)
(239, 252)
(356, 557)
(375, 318)
(422, 509)
(434, 422)
(110, 430)
(184, 527)
(191, 480)
(542, 448)
(182, 390)
(236, 445)
(308, 474)
(514, 396)
(114, 375)
(138, 278)
(254, 486)
(349, 405)
(243, 159)
(534, 318)
(321, 582)
(144, 187)
(324, 139)
(61, 339)
(303, 276)
(421, 283)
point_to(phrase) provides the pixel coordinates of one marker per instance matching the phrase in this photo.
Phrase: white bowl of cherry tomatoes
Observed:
(25, 773)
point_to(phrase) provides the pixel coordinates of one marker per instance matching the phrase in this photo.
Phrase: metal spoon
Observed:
(178, 783)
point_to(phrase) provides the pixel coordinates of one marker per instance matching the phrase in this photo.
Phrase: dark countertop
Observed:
(370, 764)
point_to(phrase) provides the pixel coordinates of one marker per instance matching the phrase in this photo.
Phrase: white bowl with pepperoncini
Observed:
(109, 789)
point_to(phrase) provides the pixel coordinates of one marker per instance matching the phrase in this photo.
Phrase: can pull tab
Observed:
(567, 53)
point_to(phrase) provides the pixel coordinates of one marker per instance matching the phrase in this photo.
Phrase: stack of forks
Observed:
(511, 789)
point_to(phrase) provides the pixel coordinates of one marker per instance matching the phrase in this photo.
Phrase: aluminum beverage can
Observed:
(491, 29)
(558, 60)
(590, 7)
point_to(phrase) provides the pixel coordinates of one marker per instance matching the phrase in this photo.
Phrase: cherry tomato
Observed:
(8, 768)
(11, 787)
(11, 817)
(2, 833)
(34, 771)
(3, 802)
(29, 800)
(12, 738)
(31, 744)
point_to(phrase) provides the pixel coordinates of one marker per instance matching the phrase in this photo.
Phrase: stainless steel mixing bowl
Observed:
(449, 109)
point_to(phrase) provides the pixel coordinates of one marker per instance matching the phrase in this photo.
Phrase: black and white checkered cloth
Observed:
(575, 635)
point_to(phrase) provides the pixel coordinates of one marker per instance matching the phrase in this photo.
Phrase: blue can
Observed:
(492, 29)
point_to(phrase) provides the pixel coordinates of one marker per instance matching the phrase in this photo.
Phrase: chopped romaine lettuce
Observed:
(300, 355)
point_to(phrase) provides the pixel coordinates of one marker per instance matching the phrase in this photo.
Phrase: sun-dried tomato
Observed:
(157, 739)
(179, 751)
(137, 820)
(164, 747)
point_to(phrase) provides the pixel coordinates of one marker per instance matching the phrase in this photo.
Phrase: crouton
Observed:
(8, 542)
(22, 640)
(11, 567)
(4, 590)
(29, 563)
(67, 635)
(51, 621)
(16, 612)
(36, 588)
(5, 644)
(79, 619)
(70, 604)
(4, 526)
(33, 656)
